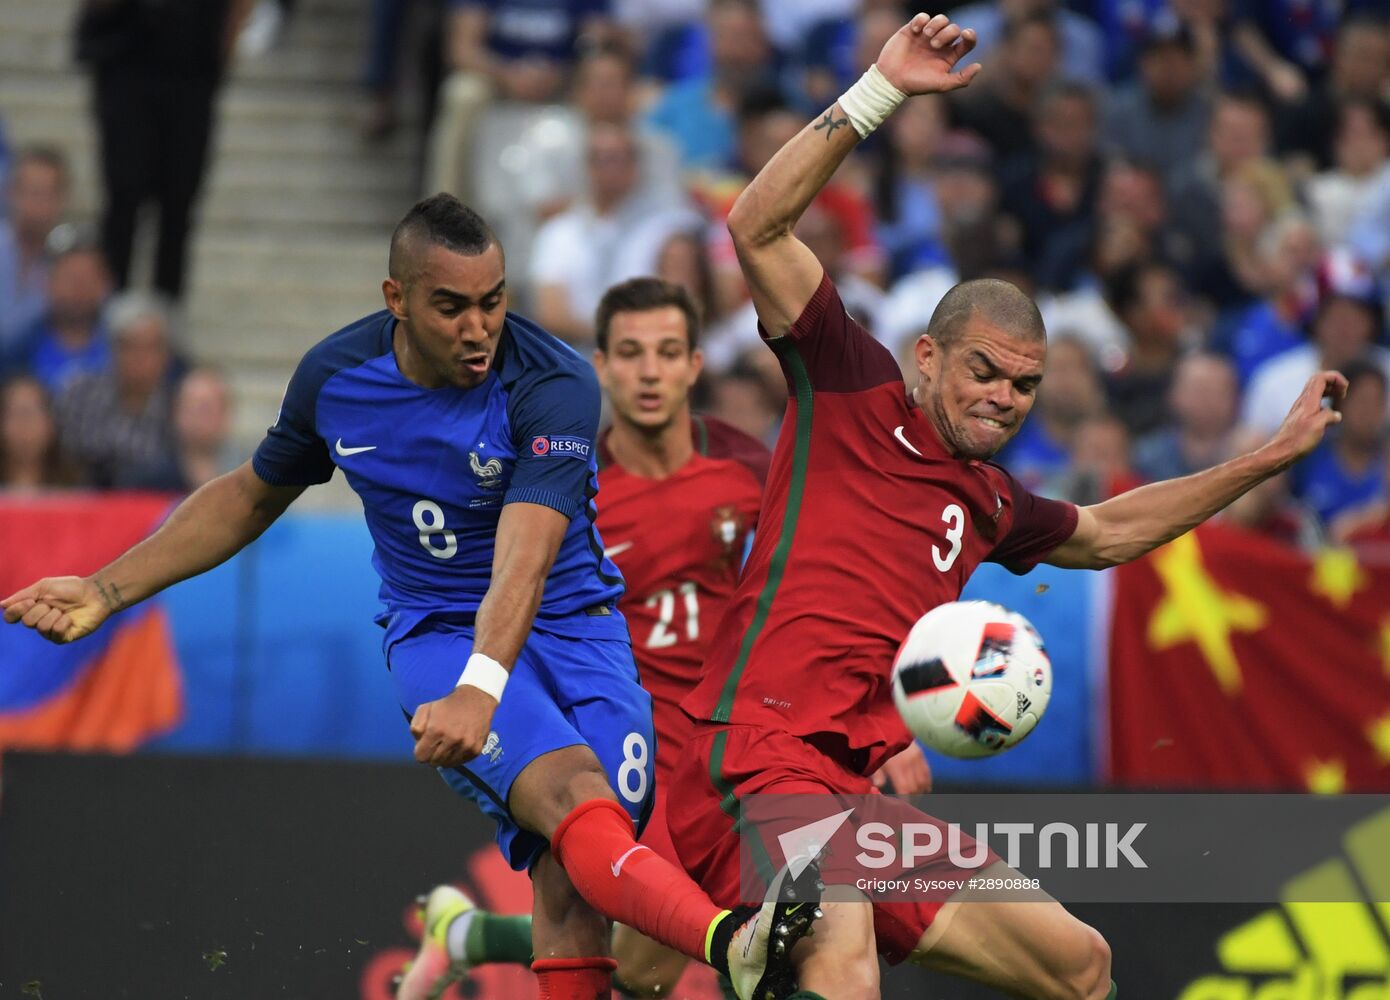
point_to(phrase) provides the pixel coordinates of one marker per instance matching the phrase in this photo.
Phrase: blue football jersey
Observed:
(434, 467)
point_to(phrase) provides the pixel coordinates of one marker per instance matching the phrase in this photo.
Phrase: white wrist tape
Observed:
(870, 101)
(485, 674)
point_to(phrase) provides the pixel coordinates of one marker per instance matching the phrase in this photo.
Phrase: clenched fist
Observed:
(451, 731)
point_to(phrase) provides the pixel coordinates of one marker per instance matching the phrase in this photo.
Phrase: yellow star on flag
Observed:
(1337, 576)
(1195, 609)
(1379, 735)
(1326, 777)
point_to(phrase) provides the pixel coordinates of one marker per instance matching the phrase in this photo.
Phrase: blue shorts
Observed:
(563, 692)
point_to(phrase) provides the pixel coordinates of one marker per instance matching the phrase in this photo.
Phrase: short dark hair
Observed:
(1125, 287)
(759, 102)
(641, 295)
(1365, 368)
(999, 302)
(1246, 96)
(440, 220)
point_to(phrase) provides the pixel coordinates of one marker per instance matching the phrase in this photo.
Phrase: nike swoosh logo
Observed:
(898, 433)
(614, 550)
(617, 866)
(352, 451)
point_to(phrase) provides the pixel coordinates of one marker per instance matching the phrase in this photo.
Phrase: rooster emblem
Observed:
(489, 473)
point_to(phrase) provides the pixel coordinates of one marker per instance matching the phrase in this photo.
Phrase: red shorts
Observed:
(722, 765)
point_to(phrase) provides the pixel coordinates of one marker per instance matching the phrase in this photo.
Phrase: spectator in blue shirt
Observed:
(700, 114)
(514, 50)
(1082, 48)
(36, 201)
(1251, 335)
(70, 338)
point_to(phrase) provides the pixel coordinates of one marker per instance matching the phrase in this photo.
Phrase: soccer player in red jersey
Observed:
(679, 496)
(880, 502)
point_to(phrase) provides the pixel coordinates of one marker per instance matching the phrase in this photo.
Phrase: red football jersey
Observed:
(679, 542)
(868, 523)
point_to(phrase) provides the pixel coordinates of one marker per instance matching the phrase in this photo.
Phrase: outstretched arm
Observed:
(208, 528)
(781, 271)
(452, 729)
(1129, 525)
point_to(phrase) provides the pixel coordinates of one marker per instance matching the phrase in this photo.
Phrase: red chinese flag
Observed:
(1236, 662)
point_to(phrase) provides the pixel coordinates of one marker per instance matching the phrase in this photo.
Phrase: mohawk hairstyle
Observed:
(440, 220)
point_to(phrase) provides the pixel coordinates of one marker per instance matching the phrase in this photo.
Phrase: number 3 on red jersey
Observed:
(955, 528)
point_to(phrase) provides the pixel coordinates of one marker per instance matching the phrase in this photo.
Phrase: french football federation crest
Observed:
(492, 746)
(489, 473)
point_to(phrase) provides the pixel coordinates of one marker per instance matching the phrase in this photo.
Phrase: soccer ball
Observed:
(972, 678)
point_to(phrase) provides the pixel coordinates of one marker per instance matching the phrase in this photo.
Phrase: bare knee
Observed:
(553, 785)
(1082, 971)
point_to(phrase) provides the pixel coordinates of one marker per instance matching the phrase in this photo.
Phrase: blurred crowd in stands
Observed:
(1196, 192)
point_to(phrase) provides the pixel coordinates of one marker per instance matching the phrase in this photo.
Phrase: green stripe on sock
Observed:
(498, 939)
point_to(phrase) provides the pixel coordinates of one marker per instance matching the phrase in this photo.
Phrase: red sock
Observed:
(630, 883)
(574, 978)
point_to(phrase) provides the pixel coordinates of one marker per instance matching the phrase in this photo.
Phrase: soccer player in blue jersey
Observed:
(469, 434)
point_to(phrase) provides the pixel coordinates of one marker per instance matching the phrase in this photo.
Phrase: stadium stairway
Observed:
(296, 212)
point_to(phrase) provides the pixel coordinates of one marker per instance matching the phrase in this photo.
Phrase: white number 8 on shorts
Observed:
(634, 762)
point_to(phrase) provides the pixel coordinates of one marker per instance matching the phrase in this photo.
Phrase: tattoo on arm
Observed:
(830, 123)
(110, 595)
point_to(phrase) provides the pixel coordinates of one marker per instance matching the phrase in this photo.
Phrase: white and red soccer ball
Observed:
(972, 678)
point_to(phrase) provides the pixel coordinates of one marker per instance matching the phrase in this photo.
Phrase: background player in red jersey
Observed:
(679, 495)
(879, 505)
